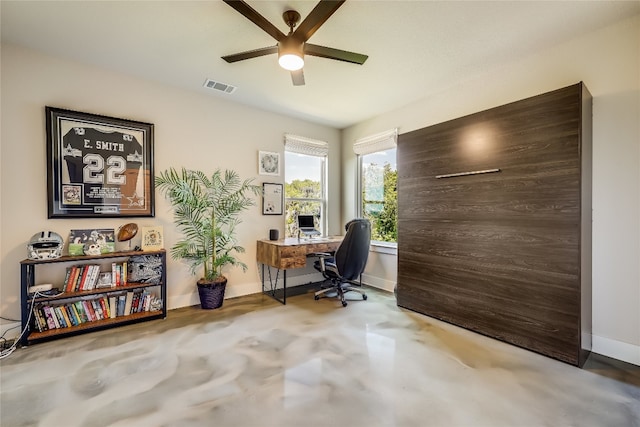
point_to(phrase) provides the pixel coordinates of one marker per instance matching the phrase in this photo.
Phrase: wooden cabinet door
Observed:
(496, 252)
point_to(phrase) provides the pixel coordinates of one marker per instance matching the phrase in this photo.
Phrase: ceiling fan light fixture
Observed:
(290, 55)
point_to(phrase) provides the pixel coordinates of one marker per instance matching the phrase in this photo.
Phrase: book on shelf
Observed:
(79, 310)
(58, 313)
(76, 284)
(147, 301)
(121, 302)
(87, 284)
(97, 311)
(134, 302)
(71, 278)
(88, 310)
(41, 322)
(82, 282)
(66, 279)
(72, 316)
(118, 275)
(65, 315)
(104, 307)
(113, 309)
(47, 312)
(127, 303)
(54, 316)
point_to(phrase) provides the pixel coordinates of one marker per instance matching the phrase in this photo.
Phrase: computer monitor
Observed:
(307, 226)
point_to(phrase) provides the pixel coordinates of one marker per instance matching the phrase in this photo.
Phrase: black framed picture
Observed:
(98, 166)
(271, 198)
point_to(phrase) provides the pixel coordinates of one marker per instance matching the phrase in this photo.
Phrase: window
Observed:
(377, 181)
(304, 173)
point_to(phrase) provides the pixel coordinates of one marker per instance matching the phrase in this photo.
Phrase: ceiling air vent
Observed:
(222, 87)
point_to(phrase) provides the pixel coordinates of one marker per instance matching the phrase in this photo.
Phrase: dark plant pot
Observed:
(211, 293)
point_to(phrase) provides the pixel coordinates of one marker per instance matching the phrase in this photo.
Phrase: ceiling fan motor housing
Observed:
(291, 53)
(291, 18)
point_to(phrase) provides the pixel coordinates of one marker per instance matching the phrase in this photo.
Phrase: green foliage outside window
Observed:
(380, 201)
(301, 189)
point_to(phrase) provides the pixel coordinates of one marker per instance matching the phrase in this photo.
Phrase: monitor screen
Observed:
(305, 221)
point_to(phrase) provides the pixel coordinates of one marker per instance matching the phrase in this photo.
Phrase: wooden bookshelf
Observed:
(28, 303)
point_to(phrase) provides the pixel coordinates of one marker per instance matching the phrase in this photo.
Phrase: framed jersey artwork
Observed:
(98, 166)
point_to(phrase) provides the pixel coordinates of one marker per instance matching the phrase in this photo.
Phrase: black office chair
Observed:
(348, 263)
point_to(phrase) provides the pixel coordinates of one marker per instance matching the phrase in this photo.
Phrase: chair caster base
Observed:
(364, 297)
(344, 303)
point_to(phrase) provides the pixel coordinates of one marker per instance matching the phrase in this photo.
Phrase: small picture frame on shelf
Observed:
(268, 163)
(92, 241)
(105, 280)
(152, 238)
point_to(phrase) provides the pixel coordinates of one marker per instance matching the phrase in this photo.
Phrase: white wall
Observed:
(608, 61)
(196, 130)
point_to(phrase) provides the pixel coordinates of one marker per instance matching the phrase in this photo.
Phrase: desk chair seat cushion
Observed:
(349, 261)
(330, 267)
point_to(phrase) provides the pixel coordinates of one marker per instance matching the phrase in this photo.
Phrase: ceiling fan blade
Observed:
(253, 16)
(297, 77)
(251, 54)
(331, 53)
(316, 18)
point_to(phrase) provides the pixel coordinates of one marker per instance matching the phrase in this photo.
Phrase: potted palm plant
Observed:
(206, 211)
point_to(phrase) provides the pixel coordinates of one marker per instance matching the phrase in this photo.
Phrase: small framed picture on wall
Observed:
(268, 163)
(271, 199)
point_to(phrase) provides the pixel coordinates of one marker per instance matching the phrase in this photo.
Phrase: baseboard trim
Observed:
(376, 282)
(238, 290)
(616, 349)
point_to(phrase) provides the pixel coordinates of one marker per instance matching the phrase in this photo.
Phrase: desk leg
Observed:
(272, 291)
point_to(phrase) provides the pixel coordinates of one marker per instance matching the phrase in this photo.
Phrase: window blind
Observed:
(378, 142)
(303, 145)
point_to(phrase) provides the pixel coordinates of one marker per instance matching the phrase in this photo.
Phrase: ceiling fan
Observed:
(292, 47)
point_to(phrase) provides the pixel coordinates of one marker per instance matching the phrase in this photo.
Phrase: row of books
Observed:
(67, 313)
(86, 277)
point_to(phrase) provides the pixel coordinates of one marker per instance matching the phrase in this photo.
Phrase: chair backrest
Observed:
(352, 254)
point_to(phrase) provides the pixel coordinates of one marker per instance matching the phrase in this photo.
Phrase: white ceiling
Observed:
(415, 48)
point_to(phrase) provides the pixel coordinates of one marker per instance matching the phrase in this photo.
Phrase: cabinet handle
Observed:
(452, 175)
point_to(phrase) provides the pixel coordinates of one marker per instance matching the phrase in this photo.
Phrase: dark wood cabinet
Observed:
(494, 222)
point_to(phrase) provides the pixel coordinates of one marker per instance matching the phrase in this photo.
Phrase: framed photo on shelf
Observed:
(152, 238)
(272, 198)
(98, 166)
(92, 241)
(268, 163)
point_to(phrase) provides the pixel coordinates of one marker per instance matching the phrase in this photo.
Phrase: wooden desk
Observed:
(289, 253)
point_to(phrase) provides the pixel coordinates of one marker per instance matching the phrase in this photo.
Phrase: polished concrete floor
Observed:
(255, 362)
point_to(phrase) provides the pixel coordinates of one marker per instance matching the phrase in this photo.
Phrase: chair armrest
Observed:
(321, 257)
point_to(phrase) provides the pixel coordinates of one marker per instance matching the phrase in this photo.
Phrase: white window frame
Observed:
(315, 148)
(368, 145)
